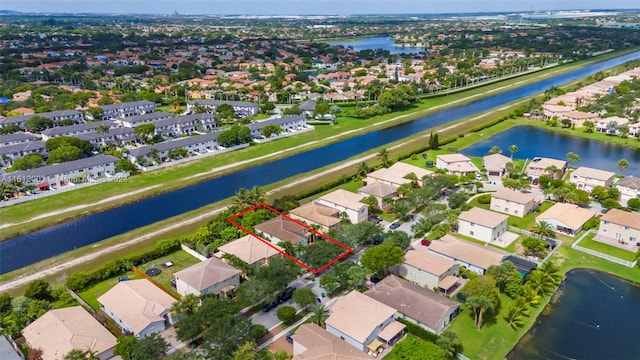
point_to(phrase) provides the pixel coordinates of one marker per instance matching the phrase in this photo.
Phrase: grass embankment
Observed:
(581, 133)
(40, 213)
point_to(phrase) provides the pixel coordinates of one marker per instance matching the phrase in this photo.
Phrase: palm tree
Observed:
(6, 190)
(17, 184)
(543, 228)
(572, 158)
(413, 177)
(102, 129)
(479, 305)
(319, 315)
(256, 195)
(514, 318)
(589, 126)
(242, 199)
(622, 164)
(513, 149)
(362, 170)
(495, 150)
(448, 342)
(186, 306)
(154, 154)
(383, 155)
(550, 272)
(553, 171)
(29, 188)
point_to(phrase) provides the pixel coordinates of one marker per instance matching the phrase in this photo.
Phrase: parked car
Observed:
(394, 225)
(425, 242)
(286, 294)
(270, 305)
(375, 218)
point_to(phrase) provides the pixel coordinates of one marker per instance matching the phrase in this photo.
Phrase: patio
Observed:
(505, 239)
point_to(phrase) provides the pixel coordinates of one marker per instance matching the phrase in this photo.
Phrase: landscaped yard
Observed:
(529, 220)
(180, 259)
(395, 354)
(589, 243)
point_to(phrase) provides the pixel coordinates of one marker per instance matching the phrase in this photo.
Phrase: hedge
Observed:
(488, 124)
(82, 280)
(419, 331)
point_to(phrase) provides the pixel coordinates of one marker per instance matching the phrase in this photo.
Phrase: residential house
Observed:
(513, 202)
(308, 108)
(579, 117)
(549, 111)
(380, 191)
(289, 124)
(241, 108)
(59, 331)
(542, 166)
(311, 342)
(495, 164)
(429, 270)
(618, 227)
(75, 130)
(16, 151)
(195, 145)
(396, 175)
(629, 187)
(212, 276)
(482, 224)
(455, 164)
(610, 125)
(53, 115)
(474, 257)
(252, 251)
(138, 307)
(135, 120)
(566, 218)
(118, 136)
(358, 319)
(420, 306)
(185, 125)
(282, 229)
(587, 178)
(70, 172)
(348, 202)
(10, 351)
(16, 138)
(314, 213)
(127, 109)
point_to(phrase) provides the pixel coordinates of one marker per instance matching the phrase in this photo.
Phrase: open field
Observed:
(33, 215)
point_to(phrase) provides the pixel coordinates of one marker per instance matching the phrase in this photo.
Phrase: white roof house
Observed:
(212, 276)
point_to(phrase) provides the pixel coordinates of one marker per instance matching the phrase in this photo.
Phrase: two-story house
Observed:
(482, 224)
(513, 202)
(553, 168)
(587, 178)
(212, 276)
(620, 228)
(347, 202)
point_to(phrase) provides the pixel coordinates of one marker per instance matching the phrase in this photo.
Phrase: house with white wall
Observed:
(512, 202)
(629, 188)
(127, 109)
(587, 178)
(566, 218)
(455, 164)
(472, 256)
(212, 276)
(482, 224)
(619, 227)
(348, 202)
(427, 269)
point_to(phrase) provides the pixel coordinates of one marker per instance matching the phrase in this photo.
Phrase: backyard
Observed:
(589, 243)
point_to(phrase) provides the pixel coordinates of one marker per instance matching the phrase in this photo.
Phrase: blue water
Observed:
(378, 42)
(533, 141)
(24, 250)
(593, 315)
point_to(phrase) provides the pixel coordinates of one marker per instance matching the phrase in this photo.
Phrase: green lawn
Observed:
(528, 220)
(180, 259)
(589, 243)
(495, 339)
(393, 355)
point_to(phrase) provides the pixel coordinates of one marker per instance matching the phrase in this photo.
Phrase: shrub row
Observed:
(324, 187)
(419, 331)
(488, 124)
(82, 280)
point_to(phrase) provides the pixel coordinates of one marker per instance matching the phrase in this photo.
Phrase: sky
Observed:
(305, 7)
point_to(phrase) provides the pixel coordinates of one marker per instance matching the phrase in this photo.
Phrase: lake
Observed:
(378, 42)
(593, 315)
(533, 141)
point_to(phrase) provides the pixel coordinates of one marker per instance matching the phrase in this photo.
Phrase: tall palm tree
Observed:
(550, 272)
(543, 228)
(17, 185)
(573, 158)
(319, 315)
(362, 170)
(413, 177)
(513, 149)
(622, 164)
(495, 150)
(256, 195)
(383, 155)
(242, 199)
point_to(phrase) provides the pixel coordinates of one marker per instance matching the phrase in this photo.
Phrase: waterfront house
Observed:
(566, 218)
(513, 202)
(558, 111)
(314, 213)
(579, 117)
(76, 171)
(135, 120)
(396, 175)
(241, 108)
(127, 109)
(428, 270)
(252, 251)
(348, 202)
(495, 164)
(474, 257)
(138, 307)
(311, 342)
(416, 304)
(482, 224)
(195, 145)
(587, 178)
(610, 125)
(620, 228)
(281, 229)
(359, 319)
(629, 187)
(380, 191)
(543, 166)
(455, 164)
(289, 124)
(59, 331)
(212, 276)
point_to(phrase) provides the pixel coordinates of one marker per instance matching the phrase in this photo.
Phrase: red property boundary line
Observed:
(347, 249)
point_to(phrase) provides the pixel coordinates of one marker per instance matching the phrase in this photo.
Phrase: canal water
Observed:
(533, 141)
(378, 42)
(27, 249)
(593, 315)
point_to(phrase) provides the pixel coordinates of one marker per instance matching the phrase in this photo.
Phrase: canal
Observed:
(593, 315)
(67, 236)
(377, 42)
(533, 141)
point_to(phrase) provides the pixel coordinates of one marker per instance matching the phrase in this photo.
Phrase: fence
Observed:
(546, 238)
(193, 253)
(285, 134)
(599, 254)
(461, 357)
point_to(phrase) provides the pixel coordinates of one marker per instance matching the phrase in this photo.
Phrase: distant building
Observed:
(252, 251)
(455, 164)
(326, 217)
(495, 164)
(348, 202)
(281, 229)
(629, 188)
(127, 109)
(241, 108)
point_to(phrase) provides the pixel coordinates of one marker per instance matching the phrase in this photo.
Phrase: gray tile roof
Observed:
(28, 146)
(184, 119)
(50, 170)
(77, 127)
(220, 102)
(146, 117)
(19, 136)
(174, 144)
(127, 105)
(279, 121)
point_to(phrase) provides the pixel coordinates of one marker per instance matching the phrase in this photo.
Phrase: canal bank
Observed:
(31, 216)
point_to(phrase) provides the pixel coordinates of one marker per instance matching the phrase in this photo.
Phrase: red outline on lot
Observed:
(305, 266)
